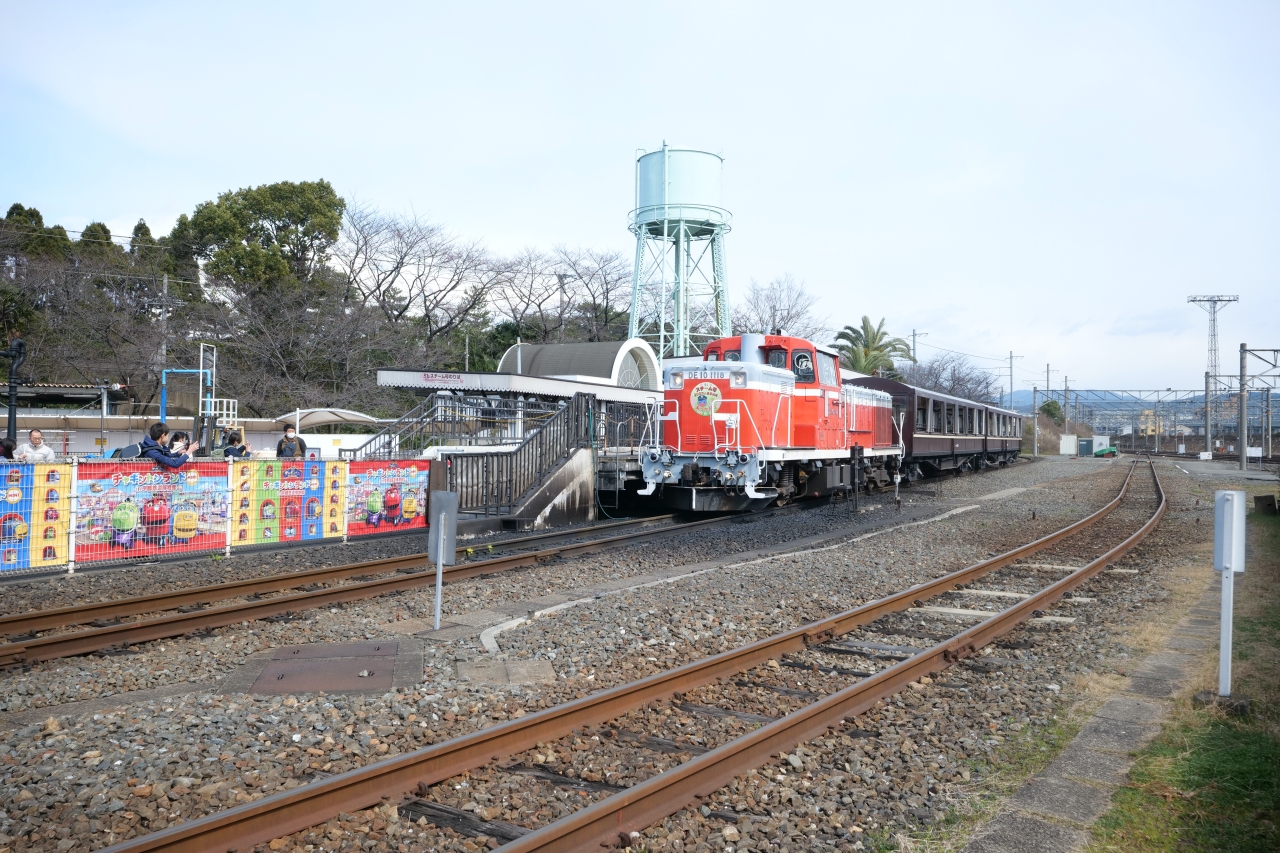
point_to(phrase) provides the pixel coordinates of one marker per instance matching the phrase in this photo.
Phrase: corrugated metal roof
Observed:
(590, 359)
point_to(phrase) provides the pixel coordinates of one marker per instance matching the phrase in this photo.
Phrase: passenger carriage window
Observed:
(802, 365)
(935, 421)
(827, 369)
(778, 358)
(922, 415)
(732, 355)
(951, 418)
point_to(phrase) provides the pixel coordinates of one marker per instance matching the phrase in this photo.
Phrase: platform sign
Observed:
(127, 510)
(444, 528)
(386, 495)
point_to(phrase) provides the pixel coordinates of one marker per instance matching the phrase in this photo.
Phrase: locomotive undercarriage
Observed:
(690, 482)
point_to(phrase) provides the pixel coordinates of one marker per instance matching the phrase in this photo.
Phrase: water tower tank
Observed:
(679, 300)
(679, 184)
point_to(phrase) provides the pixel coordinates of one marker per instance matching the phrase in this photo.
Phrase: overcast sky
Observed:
(1052, 179)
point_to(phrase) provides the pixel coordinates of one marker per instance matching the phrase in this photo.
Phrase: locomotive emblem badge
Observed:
(705, 398)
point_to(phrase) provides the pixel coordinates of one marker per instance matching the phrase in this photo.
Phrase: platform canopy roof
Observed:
(625, 364)
(303, 419)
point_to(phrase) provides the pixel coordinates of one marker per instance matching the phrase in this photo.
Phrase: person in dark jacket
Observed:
(154, 448)
(236, 446)
(291, 446)
(7, 446)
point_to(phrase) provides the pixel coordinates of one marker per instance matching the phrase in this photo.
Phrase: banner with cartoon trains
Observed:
(286, 500)
(34, 515)
(385, 496)
(125, 511)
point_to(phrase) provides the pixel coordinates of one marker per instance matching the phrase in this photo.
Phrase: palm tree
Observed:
(870, 350)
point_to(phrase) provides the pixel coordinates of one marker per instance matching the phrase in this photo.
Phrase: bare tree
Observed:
(599, 288)
(952, 373)
(784, 304)
(413, 272)
(529, 296)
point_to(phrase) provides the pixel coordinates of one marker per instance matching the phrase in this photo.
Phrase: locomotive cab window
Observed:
(827, 372)
(713, 355)
(732, 355)
(802, 365)
(777, 358)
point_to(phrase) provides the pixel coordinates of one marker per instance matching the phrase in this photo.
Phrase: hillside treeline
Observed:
(304, 294)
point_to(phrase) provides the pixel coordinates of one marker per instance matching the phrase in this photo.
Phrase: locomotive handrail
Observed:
(738, 413)
(777, 416)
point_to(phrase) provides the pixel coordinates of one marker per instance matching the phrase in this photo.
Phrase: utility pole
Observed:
(164, 322)
(1035, 422)
(914, 357)
(1208, 413)
(1011, 358)
(1266, 410)
(1243, 431)
(1066, 407)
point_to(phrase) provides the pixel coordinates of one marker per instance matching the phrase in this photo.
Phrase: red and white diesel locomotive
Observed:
(763, 419)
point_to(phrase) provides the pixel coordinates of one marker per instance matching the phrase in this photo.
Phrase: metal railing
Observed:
(496, 482)
(451, 420)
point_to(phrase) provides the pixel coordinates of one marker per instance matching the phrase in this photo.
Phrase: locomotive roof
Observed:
(788, 341)
(892, 385)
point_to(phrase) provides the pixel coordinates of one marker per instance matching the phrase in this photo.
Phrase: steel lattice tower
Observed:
(1211, 304)
(1212, 410)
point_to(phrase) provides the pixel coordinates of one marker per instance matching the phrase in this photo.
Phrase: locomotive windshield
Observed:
(713, 356)
(732, 355)
(802, 365)
(778, 358)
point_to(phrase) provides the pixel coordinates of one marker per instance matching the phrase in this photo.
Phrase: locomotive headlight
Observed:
(677, 379)
(738, 379)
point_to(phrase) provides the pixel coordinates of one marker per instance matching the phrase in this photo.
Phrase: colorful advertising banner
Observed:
(385, 495)
(286, 500)
(128, 510)
(33, 515)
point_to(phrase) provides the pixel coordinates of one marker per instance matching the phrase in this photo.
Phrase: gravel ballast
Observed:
(174, 758)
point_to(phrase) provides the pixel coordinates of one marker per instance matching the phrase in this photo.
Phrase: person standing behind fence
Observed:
(291, 446)
(153, 448)
(236, 446)
(178, 442)
(6, 448)
(35, 450)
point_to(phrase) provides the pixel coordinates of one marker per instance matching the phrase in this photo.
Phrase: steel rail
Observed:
(660, 796)
(284, 813)
(44, 620)
(175, 624)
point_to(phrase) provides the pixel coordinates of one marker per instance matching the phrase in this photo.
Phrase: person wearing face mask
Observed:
(291, 446)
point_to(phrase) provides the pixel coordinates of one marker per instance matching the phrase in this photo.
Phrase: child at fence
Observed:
(6, 448)
(153, 448)
(236, 446)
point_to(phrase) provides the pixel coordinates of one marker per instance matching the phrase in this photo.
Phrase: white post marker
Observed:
(439, 570)
(1228, 558)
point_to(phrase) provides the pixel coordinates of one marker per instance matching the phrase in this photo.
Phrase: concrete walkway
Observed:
(1218, 470)
(1053, 811)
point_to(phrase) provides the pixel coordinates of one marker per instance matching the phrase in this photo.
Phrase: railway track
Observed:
(832, 692)
(188, 610)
